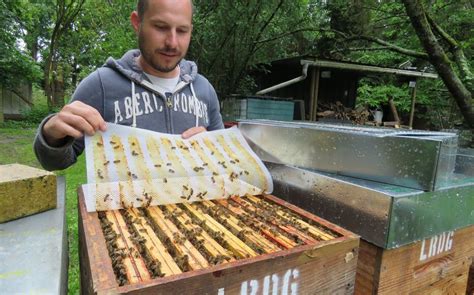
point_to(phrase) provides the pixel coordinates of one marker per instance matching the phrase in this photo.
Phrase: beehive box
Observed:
(25, 191)
(437, 265)
(243, 245)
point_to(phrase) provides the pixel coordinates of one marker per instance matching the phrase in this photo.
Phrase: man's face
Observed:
(164, 34)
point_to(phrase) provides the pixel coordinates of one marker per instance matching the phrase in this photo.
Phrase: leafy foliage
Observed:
(15, 65)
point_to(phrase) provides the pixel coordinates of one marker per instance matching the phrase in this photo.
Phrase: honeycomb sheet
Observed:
(130, 167)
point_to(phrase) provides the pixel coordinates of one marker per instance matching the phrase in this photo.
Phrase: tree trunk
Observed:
(440, 60)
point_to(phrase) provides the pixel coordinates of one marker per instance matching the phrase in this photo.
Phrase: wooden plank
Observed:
(170, 231)
(134, 264)
(238, 247)
(418, 266)
(303, 270)
(454, 284)
(208, 244)
(96, 265)
(271, 235)
(239, 228)
(291, 218)
(153, 245)
(289, 230)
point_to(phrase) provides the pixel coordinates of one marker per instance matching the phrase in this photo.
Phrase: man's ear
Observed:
(135, 20)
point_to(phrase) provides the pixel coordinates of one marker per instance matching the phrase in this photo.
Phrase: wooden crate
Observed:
(295, 252)
(438, 265)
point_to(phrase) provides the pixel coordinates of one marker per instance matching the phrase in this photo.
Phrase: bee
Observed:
(173, 147)
(205, 164)
(237, 160)
(171, 170)
(99, 144)
(183, 197)
(233, 162)
(106, 197)
(116, 147)
(185, 187)
(134, 153)
(215, 173)
(116, 161)
(106, 163)
(213, 180)
(112, 142)
(133, 143)
(246, 172)
(212, 153)
(157, 165)
(168, 164)
(165, 180)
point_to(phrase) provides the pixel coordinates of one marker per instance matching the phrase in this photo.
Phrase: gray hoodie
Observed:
(110, 90)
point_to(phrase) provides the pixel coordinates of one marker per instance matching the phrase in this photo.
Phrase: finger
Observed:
(90, 114)
(76, 122)
(192, 131)
(70, 131)
(56, 129)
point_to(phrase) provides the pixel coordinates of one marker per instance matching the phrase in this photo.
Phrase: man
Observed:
(152, 88)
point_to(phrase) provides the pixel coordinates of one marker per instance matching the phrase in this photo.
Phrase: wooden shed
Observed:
(14, 102)
(323, 81)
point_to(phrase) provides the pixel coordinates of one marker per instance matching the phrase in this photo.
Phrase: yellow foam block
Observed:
(25, 191)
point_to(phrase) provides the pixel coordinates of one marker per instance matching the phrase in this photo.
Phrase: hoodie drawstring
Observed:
(134, 116)
(195, 104)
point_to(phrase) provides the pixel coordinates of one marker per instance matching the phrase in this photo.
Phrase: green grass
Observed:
(16, 146)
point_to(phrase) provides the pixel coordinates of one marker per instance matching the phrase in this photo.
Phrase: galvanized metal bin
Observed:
(413, 159)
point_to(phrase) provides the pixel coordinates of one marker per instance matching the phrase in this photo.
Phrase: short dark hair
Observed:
(142, 6)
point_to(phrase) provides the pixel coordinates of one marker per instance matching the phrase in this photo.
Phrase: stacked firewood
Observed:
(338, 111)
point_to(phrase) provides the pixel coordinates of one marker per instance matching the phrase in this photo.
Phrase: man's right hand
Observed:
(75, 120)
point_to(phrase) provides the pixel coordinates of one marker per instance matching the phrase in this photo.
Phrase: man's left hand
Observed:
(192, 131)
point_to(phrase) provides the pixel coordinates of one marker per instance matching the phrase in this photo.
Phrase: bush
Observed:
(37, 113)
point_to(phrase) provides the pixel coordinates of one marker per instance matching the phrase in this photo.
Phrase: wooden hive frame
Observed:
(237, 245)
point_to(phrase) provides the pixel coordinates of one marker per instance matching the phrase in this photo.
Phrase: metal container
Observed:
(413, 159)
(386, 215)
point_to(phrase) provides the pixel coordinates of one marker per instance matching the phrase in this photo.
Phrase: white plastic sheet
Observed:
(131, 167)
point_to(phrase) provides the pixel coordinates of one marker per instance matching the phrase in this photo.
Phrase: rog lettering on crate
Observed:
(270, 284)
(436, 245)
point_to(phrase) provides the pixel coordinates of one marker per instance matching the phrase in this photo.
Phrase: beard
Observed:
(151, 56)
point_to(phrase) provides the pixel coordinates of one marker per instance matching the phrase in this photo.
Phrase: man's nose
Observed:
(171, 39)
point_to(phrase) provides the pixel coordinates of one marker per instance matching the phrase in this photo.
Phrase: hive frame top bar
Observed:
(413, 159)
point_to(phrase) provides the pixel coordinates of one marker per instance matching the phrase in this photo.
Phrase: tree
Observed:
(65, 14)
(426, 28)
(436, 35)
(16, 66)
(231, 38)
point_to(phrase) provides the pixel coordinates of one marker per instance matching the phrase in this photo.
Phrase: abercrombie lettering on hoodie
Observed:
(123, 94)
